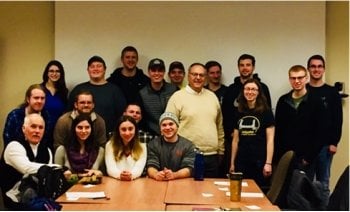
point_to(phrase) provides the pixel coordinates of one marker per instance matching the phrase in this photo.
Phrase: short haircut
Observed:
(246, 56)
(212, 63)
(83, 92)
(28, 117)
(297, 68)
(315, 57)
(129, 49)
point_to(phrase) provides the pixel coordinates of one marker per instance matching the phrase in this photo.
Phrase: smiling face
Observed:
(316, 69)
(96, 71)
(127, 131)
(246, 68)
(196, 77)
(36, 101)
(129, 60)
(298, 79)
(176, 76)
(156, 74)
(54, 73)
(134, 111)
(168, 129)
(83, 130)
(251, 91)
(84, 104)
(214, 75)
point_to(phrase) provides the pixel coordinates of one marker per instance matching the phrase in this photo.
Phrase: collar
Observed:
(191, 91)
(75, 113)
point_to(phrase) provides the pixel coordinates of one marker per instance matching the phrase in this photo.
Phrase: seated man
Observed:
(170, 156)
(134, 110)
(83, 104)
(23, 157)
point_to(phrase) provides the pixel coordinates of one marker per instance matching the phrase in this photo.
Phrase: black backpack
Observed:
(51, 181)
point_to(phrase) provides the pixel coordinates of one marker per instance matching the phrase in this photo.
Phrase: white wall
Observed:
(278, 34)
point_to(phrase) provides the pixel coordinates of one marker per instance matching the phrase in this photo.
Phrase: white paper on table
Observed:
(223, 188)
(227, 183)
(207, 194)
(248, 194)
(253, 207)
(90, 195)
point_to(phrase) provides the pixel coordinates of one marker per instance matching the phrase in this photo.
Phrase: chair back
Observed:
(277, 192)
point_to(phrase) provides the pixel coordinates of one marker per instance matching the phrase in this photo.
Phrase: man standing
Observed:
(333, 115)
(83, 104)
(33, 103)
(129, 78)
(214, 79)
(155, 95)
(199, 113)
(109, 99)
(176, 74)
(246, 67)
(298, 121)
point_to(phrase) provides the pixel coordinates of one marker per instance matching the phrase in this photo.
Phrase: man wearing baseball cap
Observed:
(155, 95)
(170, 156)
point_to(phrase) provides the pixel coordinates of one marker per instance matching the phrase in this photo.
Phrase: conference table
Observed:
(182, 194)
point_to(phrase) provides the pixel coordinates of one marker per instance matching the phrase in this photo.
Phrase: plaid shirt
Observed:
(145, 137)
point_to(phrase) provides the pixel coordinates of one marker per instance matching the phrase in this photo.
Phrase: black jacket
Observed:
(298, 129)
(130, 86)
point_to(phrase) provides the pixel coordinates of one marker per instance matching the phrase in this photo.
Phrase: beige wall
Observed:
(27, 44)
(337, 69)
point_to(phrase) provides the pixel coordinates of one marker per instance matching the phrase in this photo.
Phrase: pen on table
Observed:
(107, 198)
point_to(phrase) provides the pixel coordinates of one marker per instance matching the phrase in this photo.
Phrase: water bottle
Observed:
(198, 165)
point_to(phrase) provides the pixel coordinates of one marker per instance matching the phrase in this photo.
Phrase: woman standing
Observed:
(55, 88)
(253, 135)
(125, 155)
(82, 155)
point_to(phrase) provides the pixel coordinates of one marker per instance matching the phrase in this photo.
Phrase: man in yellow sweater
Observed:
(199, 114)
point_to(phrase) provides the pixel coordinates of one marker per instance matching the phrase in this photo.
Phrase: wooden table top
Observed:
(190, 192)
(148, 194)
(139, 194)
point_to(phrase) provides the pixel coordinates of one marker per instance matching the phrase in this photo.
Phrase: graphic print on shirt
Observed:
(248, 125)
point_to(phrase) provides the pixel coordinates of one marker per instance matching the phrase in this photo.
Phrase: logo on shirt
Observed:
(248, 125)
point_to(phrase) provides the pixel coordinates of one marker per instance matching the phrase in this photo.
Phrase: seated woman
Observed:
(125, 155)
(82, 154)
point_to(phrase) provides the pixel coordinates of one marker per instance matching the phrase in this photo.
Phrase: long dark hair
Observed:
(60, 85)
(117, 142)
(261, 101)
(90, 143)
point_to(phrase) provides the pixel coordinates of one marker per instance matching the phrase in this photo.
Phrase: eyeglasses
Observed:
(251, 89)
(297, 78)
(316, 66)
(54, 71)
(197, 75)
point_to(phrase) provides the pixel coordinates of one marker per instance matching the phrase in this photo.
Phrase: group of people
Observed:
(131, 125)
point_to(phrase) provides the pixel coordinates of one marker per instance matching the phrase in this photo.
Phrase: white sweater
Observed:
(114, 168)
